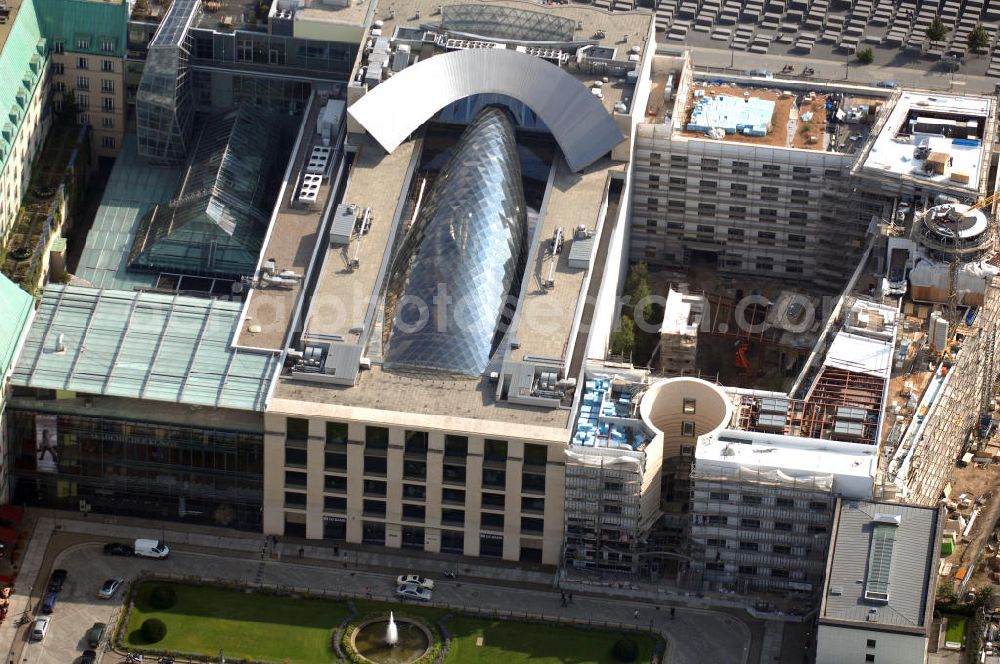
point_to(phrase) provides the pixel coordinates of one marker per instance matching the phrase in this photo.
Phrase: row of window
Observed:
(712, 165)
(755, 499)
(750, 570)
(414, 442)
(82, 43)
(757, 524)
(793, 240)
(750, 546)
(680, 207)
(655, 254)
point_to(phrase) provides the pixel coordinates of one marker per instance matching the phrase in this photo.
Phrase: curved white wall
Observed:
(662, 409)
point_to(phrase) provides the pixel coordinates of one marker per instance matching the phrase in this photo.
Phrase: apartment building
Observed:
(24, 61)
(768, 202)
(87, 41)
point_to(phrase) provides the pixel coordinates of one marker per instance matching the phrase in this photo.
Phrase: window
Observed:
(533, 482)
(295, 456)
(735, 232)
(82, 83)
(736, 212)
(798, 217)
(784, 503)
(58, 46)
(817, 530)
(750, 523)
(108, 104)
(708, 186)
(770, 169)
(58, 68)
(818, 506)
(783, 526)
(870, 643)
(295, 479)
(765, 237)
(453, 517)
(83, 101)
(709, 165)
(832, 172)
(296, 428)
(453, 474)
(747, 570)
(717, 543)
(491, 520)
(414, 512)
(374, 508)
(293, 499)
(107, 85)
(495, 450)
(375, 465)
(416, 443)
(57, 105)
(532, 504)
(800, 196)
(83, 119)
(494, 477)
(335, 461)
(719, 495)
(108, 123)
(749, 546)
(676, 204)
(675, 159)
(765, 263)
(767, 214)
(769, 193)
(782, 549)
(108, 45)
(796, 241)
(870, 657)
(376, 438)
(687, 428)
(374, 488)
(334, 483)
(675, 226)
(779, 573)
(716, 520)
(715, 567)
(493, 500)
(82, 43)
(60, 87)
(706, 210)
(535, 455)
(689, 406)
(704, 229)
(334, 504)
(532, 525)
(750, 499)
(414, 492)
(82, 63)
(414, 470)
(107, 65)
(453, 496)
(794, 267)
(336, 433)
(456, 446)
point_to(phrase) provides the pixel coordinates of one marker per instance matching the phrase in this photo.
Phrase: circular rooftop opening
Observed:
(683, 409)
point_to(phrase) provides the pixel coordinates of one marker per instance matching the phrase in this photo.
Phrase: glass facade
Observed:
(507, 23)
(164, 110)
(141, 469)
(451, 287)
(216, 224)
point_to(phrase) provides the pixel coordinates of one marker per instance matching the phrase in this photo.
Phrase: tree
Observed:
(979, 38)
(637, 275)
(162, 598)
(640, 297)
(623, 339)
(153, 630)
(937, 30)
(625, 650)
(866, 56)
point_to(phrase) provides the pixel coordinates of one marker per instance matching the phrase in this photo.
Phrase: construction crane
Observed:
(984, 202)
(988, 366)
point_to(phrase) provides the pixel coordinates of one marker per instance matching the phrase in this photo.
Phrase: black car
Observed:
(57, 580)
(88, 657)
(118, 549)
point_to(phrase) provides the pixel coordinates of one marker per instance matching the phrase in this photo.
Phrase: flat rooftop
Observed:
(12, 9)
(941, 124)
(796, 457)
(882, 562)
(142, 345)
(225, 15)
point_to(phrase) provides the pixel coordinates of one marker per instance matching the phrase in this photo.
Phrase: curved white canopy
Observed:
(581, 126)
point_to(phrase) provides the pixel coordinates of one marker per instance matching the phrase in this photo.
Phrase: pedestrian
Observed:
(336, 551)
(635, 614)
(564, 601)
(672, 612)
(302, 551)
(571, 598)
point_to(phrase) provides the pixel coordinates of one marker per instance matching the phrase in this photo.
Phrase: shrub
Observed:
(153, 630)
(866, 56)
(162, 598)
(625, 650)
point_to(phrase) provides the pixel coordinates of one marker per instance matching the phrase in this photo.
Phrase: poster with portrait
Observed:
(46, 444)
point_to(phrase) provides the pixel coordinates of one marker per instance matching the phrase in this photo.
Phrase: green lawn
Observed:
(205, 620)
(956, 628)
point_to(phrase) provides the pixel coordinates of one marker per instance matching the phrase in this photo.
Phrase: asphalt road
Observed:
(695, 636)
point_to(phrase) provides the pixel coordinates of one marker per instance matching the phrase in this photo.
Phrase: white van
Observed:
(150, 548)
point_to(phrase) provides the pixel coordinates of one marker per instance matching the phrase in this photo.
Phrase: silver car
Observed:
(416, 580)
(110, 587)
(40, 627)
(413, 591)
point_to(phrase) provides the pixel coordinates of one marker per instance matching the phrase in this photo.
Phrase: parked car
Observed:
(57, 580)
(110, 587)
(118, 549)
(892, 85)
(40, 627)
(49, 602)
(413, 591)
(150, 548)
(95, 634)
(415, 579)
(88, 657)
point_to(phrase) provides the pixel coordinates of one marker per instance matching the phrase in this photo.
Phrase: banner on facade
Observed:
(46, 444)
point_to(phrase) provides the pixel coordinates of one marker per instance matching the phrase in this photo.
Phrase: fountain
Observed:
(391, 632)
(390, 641)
